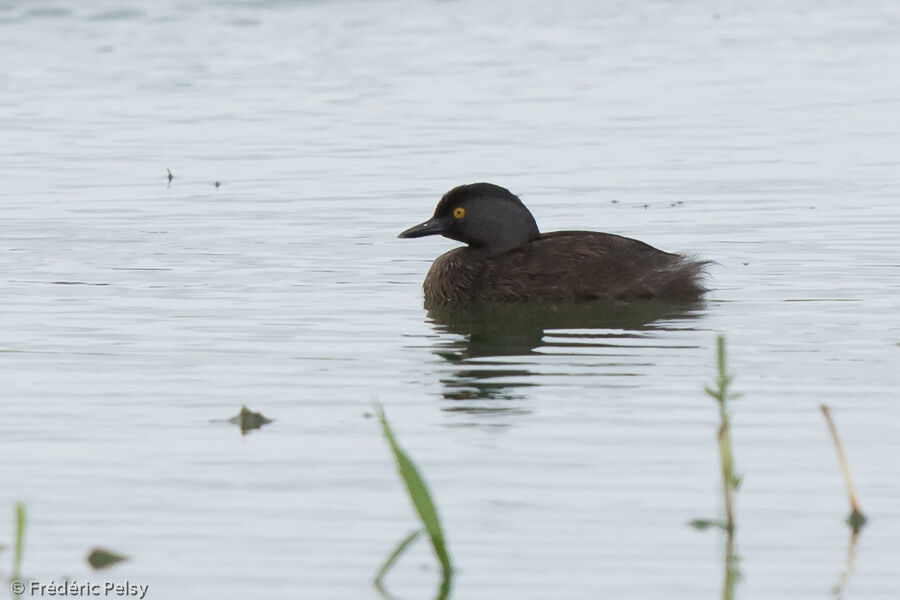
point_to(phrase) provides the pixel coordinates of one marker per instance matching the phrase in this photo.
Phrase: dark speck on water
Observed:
(248, 420)
(100, 558)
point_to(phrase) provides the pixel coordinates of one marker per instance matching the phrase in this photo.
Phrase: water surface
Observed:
(566, 456)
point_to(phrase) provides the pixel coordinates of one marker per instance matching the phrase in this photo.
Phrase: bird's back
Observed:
(565, 266)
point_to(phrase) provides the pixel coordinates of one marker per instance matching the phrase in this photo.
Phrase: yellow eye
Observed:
(459, 212)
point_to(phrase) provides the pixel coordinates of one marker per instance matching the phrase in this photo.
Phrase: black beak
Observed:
(433, 226)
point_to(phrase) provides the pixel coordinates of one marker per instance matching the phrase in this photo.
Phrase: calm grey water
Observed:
(566, 459)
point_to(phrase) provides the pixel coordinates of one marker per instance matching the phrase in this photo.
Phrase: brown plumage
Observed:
(508, 260)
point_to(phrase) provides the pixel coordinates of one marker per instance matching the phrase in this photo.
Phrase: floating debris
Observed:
(218, 184)
(99, 558)
(248, 420)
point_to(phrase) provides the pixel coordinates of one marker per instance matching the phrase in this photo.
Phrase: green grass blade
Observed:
(701, 524)
(419, 496)
(398, 551)
(20, 540)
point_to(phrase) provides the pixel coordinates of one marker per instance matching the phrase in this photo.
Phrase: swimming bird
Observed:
(507, 259)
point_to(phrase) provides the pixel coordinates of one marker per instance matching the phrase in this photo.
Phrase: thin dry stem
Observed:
(856, 518)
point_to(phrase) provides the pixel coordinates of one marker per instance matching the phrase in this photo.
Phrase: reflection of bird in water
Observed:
(508, 260)
(503, 331)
